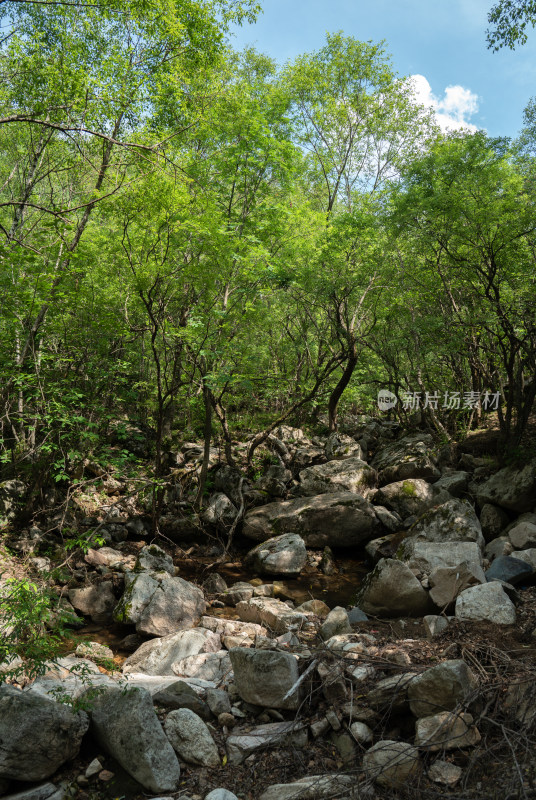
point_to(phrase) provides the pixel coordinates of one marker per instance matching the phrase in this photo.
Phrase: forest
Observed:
(199, 241)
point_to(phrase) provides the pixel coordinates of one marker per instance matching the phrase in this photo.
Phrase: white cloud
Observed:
(453, 109)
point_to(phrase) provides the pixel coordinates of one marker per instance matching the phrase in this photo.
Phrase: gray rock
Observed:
(523, 535)
(392, 589)
(180, 695)
(127, 728)
(356, 615)
(313, 787)
(97, 601)
(392, 692)
(434, 625)
(441, 688)
(389, 519)
(274, 734)
(238, 592)
(347, 475)
(361, 732)
(47, 791)
(445, 773)
(281, 555)
(528, 556)
(159, 604)
(157, 656)
(191, 739)
(453, 521)
(219, 511)
(336, 622)
(412, 496)
(448, 582)
(446, 731)
(220, 794)
(500, 546)
(213, 667)
(214, 584)
(487, 602)
(425, 557)
(511, 488)
(37, 735)
(409, 457)
(218, 701)
(94, 651)
(390, 763)
(493, 521)
(264, 677)
(342, 519)
(154, 559)
(272, 613)
(455, 483)
(509, 569)
(339, 446)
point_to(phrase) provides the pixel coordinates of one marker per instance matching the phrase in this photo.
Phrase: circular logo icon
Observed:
(386, 400)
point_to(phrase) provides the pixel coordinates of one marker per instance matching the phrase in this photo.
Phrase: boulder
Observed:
(159, 604)
(391, 764)
(523, 535)
(47, 791)
(213, 667)
(312, 787)
(487, 602)
(509, 569)
(528, 556)
(409, 457)
(219, 511)
(156, 656)
(97, 601)
(448, 582)
(191, 739)
(180, 695)
(274, 481)
(108, 557)
(493, 521)
(434, 625)
(339, 446)
(513, 488)
(125, 724)
(95, 651)
(336, 622)
(270, 612)
(392, 692)
(441, 688)
(341, 519)
(37, 735)
(453, 521)
(282, 555)
(361, 732)
(412, 496)
(273, 734)
(239, 591)
(265, 677)
(445, 772)
(348, 475)
(154, 559)
(232, 627)
(392, 589)
(500, 546)
(220, 794)
(446, 731)
(455, 483)
(425, 557)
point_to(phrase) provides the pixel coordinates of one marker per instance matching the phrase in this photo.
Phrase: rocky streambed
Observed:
(297, 682)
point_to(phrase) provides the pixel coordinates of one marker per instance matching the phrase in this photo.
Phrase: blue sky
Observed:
(441, 40)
